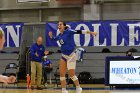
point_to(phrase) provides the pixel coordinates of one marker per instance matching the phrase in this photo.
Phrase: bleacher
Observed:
(94, 59)
(8, 55)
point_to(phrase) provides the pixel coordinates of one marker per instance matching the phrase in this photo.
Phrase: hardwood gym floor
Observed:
(51, 89)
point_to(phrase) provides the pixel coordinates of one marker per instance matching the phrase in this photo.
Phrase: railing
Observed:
(28, 63)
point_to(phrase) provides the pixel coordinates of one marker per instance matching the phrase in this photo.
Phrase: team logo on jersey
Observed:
(40, 48)
(61, 42)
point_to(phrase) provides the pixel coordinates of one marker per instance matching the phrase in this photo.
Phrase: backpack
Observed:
(133, 50)
(85, 78)
(106, 50)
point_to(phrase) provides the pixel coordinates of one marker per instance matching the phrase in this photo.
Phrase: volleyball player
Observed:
(2, 39)
(68, 59)
(5, 79)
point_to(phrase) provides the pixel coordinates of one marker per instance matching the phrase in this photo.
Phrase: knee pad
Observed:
(62, 78)
(74, 78)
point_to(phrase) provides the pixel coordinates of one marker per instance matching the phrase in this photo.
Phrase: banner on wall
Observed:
(13, 32)
(110, 33)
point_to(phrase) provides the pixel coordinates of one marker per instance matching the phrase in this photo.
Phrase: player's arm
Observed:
(85, 32)
(82, 32)
(4, 79)
(52, 37)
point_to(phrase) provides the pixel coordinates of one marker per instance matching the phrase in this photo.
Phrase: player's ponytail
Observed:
(66, 27)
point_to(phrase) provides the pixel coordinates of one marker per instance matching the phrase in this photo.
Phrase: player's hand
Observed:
(94, 33)
(46, 52)
(50, 34)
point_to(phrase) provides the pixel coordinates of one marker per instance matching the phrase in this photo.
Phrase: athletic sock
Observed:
(77, 87)
(63, 89)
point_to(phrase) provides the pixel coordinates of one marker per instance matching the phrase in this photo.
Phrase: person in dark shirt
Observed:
(37, 52)
(47, 68)
(129, 53)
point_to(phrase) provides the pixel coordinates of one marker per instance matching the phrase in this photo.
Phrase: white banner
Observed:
(124, 72)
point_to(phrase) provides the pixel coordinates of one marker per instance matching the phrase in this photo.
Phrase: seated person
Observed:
(6, 80)
(129, 53)
(47, 68)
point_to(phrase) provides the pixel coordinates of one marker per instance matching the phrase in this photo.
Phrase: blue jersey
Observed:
(65, 40)
(39, 49)
(46, 63)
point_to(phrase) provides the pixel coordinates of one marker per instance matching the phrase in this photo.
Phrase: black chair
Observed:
(11, 69)
(57, 77)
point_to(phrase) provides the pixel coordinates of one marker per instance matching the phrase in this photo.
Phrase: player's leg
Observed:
(71, 65)
(33, 73)
(75, 80)
(62, 69)
(45, 75)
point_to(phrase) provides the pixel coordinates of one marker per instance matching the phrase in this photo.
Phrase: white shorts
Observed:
(71, 61)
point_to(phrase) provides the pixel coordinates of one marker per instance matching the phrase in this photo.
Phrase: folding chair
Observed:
(11, 69)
